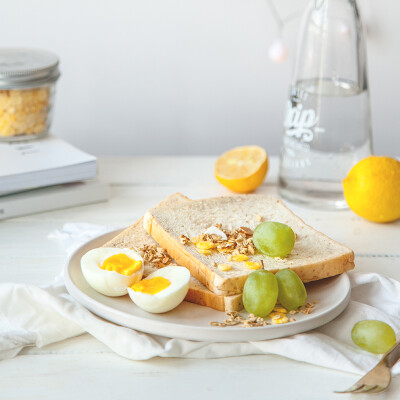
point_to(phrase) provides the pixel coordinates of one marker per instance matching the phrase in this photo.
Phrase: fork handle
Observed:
(392, 356)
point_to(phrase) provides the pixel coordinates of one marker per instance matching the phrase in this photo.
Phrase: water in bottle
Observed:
(327, 126)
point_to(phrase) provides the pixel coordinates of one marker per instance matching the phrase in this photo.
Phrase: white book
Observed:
(43, 162)
(52, 198)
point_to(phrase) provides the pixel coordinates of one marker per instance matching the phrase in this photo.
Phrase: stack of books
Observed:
(46, 174)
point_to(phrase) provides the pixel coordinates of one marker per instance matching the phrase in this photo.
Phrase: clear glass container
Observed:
(327, 128)
(27, 91)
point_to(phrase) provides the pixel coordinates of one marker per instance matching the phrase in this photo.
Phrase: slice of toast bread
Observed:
(135, 237)
(315, 256)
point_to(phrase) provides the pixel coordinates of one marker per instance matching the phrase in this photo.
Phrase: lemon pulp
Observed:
(242, 169)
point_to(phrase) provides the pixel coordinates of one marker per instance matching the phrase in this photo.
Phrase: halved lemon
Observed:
(242, 169)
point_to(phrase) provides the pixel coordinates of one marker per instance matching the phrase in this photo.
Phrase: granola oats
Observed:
(278, 316)
(184, 239)
(239, 242)
(155, 255)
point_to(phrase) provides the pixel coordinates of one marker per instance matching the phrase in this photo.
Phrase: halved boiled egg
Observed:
(111, 271)
(162, 290)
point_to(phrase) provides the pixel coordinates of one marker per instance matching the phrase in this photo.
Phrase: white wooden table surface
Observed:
(82, 367)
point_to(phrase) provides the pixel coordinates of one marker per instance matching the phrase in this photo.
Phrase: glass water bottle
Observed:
(327, 127)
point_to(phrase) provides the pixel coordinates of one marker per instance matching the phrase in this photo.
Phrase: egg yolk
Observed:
(122, 264)
(152, 285)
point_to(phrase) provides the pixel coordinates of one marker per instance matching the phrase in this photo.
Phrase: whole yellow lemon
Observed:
(372, 189)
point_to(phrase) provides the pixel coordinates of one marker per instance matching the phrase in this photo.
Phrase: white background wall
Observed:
(188, 76)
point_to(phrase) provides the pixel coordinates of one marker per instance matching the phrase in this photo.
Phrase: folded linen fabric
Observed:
(33, 316)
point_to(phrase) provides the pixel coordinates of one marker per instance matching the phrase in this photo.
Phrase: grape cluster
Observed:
(262, 290)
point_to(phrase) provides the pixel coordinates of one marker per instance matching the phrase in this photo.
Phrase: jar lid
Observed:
(25, 68)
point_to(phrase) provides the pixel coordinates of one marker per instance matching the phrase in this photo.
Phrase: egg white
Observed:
(168, 298)
(109, 283)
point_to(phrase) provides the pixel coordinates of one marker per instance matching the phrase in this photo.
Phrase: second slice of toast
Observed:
(136, 237)
(315, 256)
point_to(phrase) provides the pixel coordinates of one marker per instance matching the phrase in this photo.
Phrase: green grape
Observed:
(292, 293)
(373, 336)
(274, 239)
(260, 293)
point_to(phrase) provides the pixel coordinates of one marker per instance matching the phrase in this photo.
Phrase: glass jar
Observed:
(27, 88)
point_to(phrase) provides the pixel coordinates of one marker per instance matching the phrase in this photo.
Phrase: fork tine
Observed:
(378, 389)
(359, 389)
(351, 389)
(365, 389)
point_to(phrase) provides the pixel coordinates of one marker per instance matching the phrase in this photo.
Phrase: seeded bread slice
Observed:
(135, 236)
(315, 256)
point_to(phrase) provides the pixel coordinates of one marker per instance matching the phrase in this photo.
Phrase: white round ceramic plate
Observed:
(191, 321)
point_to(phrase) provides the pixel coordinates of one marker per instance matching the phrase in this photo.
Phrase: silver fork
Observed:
(378, 379)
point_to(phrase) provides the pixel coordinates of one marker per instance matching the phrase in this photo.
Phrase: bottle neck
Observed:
(331, 45)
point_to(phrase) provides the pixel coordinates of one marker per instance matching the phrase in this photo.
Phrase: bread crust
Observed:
(225, 285)
(209, 299)
(179, 252)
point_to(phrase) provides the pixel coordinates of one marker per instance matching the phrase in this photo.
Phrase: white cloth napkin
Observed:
(33, 316)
